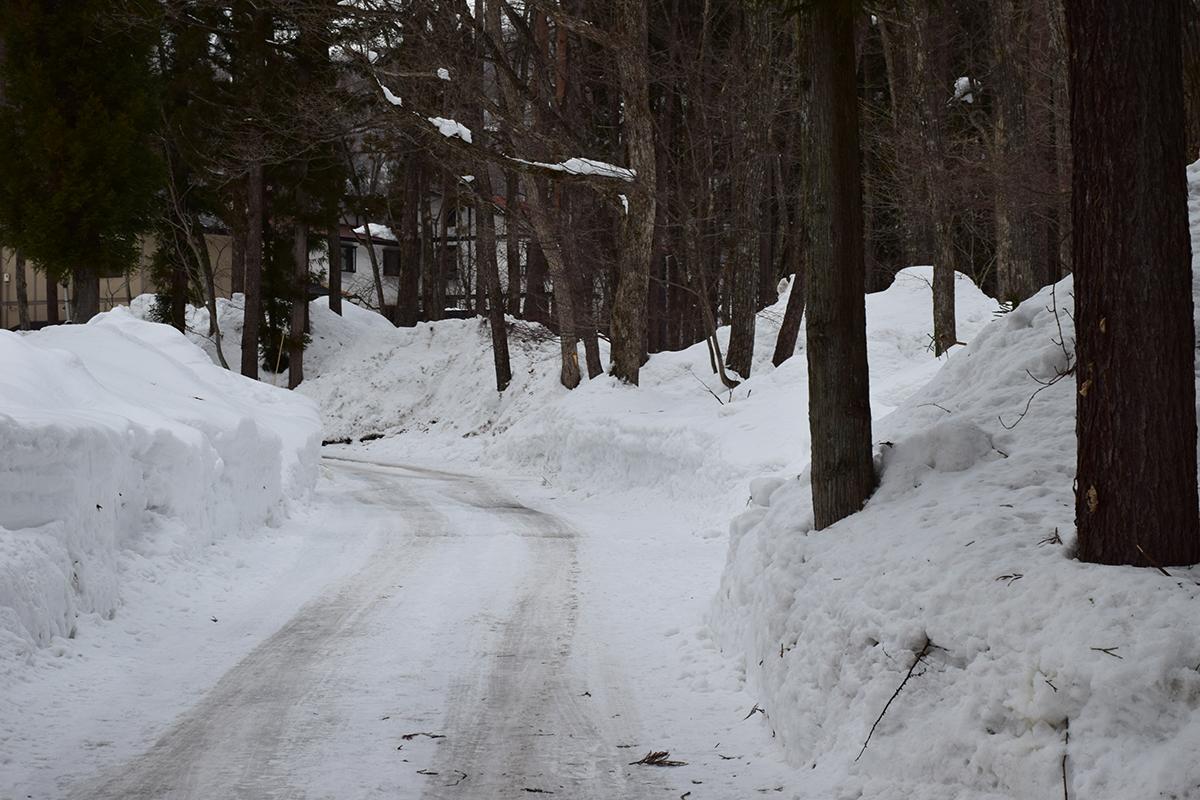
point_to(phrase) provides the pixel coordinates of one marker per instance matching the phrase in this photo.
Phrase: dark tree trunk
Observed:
(85, 284)
(252, 313)
(512, 245)
(299, 304)
(179, 289)
(1136, 498)
(637, 225)
(843, 475)
(1020, 228)
(237, 258)
(52, 315)
(411, 255)
(793, 314)
(490, 273)
(22, 291)
(334, 242)
(1191, 78)
(537, 304)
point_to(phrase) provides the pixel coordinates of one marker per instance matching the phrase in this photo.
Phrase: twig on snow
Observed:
(920, 657)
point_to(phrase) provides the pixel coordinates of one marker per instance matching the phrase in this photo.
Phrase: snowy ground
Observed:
(532, 576)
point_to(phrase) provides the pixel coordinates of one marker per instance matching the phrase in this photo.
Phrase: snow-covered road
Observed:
(480, 647)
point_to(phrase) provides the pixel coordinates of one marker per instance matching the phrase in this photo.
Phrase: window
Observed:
(391, 261)
(348, 251)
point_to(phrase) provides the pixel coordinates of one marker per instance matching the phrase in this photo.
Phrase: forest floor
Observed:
(519, 634)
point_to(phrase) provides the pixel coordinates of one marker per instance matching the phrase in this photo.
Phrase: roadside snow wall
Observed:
(1035, 669)
(121, 438)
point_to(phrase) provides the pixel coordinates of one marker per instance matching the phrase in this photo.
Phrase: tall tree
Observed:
(1136, 501)
(79, 167)
(843, 474)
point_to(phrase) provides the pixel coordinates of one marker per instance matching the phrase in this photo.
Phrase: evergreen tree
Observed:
(79, 168)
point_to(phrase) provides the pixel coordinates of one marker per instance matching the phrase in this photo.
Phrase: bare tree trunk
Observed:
(52, 316)
(843, 475)
(793, 313)
(537, 303)
(637, 226)
(299, 304)
(490, 273)
(512, 244)
(335, 268)
(85, 282)
(22, 292)
(252, 313)
(1136, 498)
(564, 303)
(928, 57)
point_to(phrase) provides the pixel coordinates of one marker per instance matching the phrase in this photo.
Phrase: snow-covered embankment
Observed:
(121, 442)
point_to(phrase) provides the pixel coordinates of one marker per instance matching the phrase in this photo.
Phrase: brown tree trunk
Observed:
(52, 315)
(22, 291)
(512, 245)
(179, 289)
(1020, 230)
(299, 304)
(793, 313)
(843, 475)
(637, 225)
(334, 242)
(490, 273)
(85, 294)
(1136, 498)
(537, 304)
(252, 312)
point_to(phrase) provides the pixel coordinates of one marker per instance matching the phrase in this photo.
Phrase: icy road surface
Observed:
(477, 647)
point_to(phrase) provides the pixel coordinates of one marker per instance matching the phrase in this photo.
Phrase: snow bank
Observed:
(965, 553)
(123, 441)
(671, 437)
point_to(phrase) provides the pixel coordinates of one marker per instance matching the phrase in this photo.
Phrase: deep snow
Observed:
(123, 444)
(963, 553)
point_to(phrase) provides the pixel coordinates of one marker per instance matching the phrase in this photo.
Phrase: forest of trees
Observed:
(668, 162)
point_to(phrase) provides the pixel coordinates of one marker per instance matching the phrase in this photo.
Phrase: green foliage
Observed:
(80, 171)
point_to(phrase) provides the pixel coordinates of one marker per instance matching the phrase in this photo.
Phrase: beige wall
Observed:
(113, 291)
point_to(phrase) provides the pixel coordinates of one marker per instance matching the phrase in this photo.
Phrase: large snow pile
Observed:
(670, 437)
(1038, 674)
(123, 441)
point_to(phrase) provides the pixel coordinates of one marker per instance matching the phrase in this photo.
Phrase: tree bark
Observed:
(52, 315)
(22, 292)
(1136, 497)
(334, 242)
(637, 225)
(252, 311)
(85, 284)
(299, 304)
(843, 475)
(512, 244)
(490, 273)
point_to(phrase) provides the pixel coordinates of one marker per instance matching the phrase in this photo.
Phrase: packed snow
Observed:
(124, 443)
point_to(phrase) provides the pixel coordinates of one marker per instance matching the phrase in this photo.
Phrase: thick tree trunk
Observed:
(1136, 498)
(843, 475)
(1020, 229)
(929, 70)
(22, 292)
(564, 303)
(334, 243)
(252, 312)
(85, 285)
(299, 304)
(637, 226)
